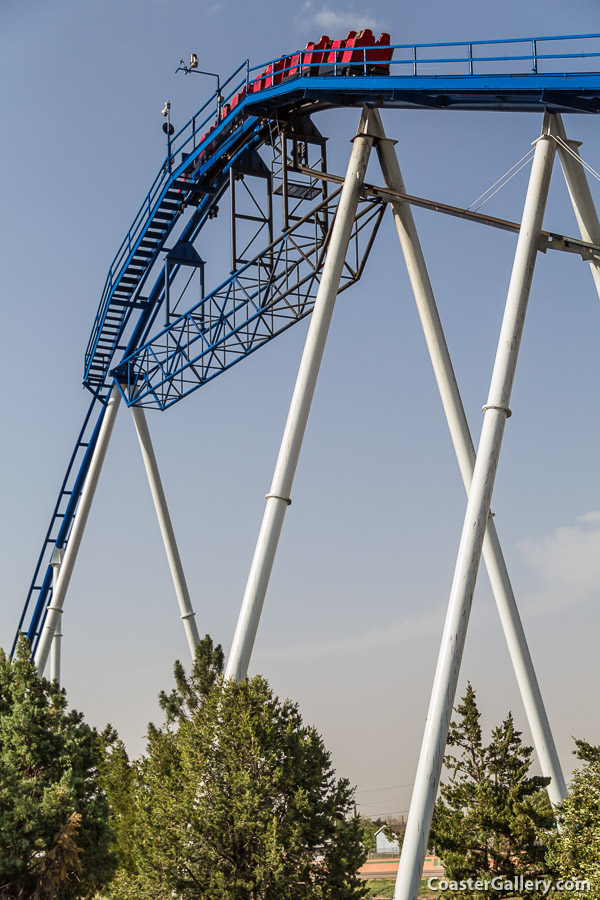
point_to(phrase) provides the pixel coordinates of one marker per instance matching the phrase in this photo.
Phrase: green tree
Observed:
(492, 817)
(575, 850)
(54, 833)
(191, 691)
(237, 799)
(117, 779)
(370, 827)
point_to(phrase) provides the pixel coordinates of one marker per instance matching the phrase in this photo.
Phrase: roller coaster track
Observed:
(269, 106)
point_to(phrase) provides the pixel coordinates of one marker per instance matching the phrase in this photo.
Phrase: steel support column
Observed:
(278, 498)
(85, 503)
(581, 196)
(465, 454)
(166, 528)
(55, 562)
(496, 411)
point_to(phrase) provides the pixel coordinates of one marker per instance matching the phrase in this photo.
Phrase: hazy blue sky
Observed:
(354, 613)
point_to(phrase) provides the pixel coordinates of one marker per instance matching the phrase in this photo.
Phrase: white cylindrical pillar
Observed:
(581, 196)
(465, 453)
(166, 528)
(278, 497)
(72, 549)
(459, 606)
(55, 562)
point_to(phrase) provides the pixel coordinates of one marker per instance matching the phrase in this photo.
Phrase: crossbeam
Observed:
(549, 240)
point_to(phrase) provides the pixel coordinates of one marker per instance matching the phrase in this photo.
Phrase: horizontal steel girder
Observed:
(549, 240)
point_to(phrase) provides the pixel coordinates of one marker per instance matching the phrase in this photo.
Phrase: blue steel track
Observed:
(558, 74)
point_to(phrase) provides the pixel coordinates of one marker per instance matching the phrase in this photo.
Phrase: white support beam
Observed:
(581, 196)
(496, 411)
(465, 454)
(87, 495)
(278, 498)
(166, 528)
(55, 652)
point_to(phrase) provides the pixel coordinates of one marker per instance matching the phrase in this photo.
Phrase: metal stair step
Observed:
(131, 304)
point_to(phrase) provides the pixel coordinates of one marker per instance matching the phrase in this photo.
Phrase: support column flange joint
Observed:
(507, 412)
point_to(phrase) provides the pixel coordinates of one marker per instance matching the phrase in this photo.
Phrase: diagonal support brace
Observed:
(166, 528)
(465, 454)
(579, 191)
(475, 523)
(285, 468)
(87, 495)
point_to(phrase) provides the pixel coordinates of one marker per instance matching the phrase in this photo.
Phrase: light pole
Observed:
(193, 69)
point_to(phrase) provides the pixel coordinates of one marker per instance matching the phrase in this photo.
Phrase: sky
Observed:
(355, 608)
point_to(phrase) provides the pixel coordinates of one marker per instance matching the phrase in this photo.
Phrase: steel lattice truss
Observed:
(265, 297)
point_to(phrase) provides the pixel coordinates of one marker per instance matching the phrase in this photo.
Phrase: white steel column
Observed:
(279, 494)
(85, 503)
(465, 453)
(166, 528)
(55, 562)
(496, 411)
(581, 196)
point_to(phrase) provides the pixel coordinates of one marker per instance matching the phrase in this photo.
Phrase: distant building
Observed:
(385, 847)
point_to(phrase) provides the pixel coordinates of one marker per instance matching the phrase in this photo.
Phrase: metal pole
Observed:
(85, 503)
(55, 562)
(278, 496)
(465, 453)
(496, 411)
(581, 196)
(166, 528)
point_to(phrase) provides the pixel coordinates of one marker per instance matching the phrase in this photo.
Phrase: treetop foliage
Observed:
(492, 817)
(575, 849)
(191, 691)
(239, 801)
(54, 832)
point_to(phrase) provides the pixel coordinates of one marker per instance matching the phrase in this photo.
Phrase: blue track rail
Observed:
(560, 74)
(61, 521)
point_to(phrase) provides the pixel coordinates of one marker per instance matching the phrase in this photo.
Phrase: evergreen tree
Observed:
(492, 817)
(191, 691)
(237, 799)
(370, 827)
(574, 851)
(54, 831)
(117, 779)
